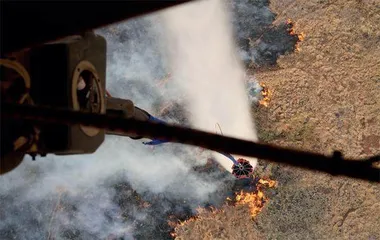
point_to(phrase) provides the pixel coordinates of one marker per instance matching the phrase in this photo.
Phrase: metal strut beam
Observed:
(335, 165)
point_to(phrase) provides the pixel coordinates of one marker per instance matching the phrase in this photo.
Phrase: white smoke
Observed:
(72, 197)
(206, 67)
(30, 193)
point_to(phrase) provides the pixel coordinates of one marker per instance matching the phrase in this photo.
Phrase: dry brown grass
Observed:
(325, 98)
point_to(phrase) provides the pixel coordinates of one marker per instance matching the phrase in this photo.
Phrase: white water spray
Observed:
(206, 68)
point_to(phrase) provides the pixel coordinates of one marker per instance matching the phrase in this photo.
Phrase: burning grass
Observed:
(300, 36)
(255, 200)
(252, 195)
(266, 94)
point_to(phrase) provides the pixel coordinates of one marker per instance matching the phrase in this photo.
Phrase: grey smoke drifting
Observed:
(76, 194)
(104, 195)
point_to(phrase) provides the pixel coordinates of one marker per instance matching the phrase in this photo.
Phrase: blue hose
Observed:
(156, 120)
(157, 141)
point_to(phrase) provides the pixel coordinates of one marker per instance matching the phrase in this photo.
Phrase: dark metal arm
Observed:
(334, 165)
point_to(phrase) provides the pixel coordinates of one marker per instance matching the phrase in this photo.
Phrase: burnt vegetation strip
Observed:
(261, 42)
(162, 210)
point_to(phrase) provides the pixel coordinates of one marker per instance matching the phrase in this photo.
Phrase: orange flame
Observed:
(173, 234)
(254, 200)
(301, 37)
(266, 94)
(270, 183)
(291, 31)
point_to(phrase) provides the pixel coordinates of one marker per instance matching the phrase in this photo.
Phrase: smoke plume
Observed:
(124, 190)
(127, 190)
(207, 69)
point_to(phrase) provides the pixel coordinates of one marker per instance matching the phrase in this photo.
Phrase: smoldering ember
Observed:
(310, 80)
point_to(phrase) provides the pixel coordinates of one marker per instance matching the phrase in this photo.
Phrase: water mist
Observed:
(206, 68)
